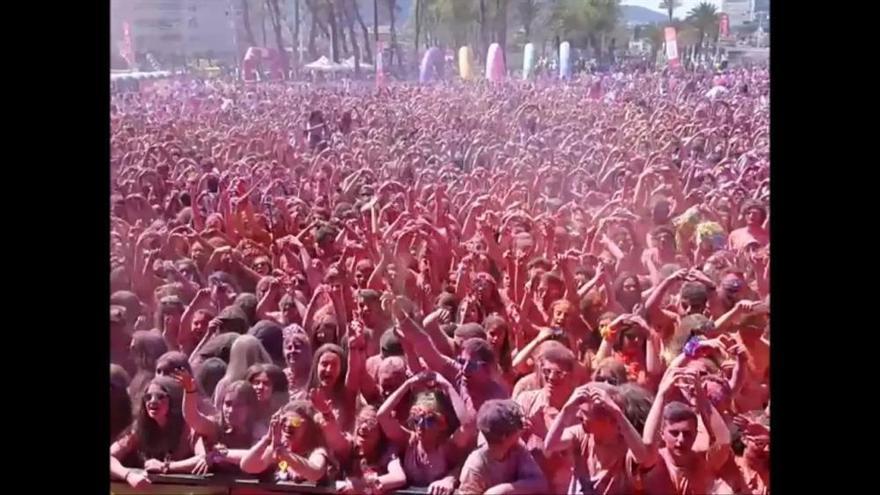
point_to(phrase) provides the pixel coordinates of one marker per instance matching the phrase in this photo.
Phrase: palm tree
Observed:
(705, 18)
(670, 6)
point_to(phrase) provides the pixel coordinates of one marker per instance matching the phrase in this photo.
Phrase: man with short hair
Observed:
(679, 466)
(503, 465)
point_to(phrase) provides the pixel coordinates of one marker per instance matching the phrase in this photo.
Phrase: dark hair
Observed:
(250, 398)
(675, 412)
(389, 344)
(539, 263)
(504, 360)
(130, 302)
(552, 278)
(279, 385)
(369, 295)
(271, 336)
(248, 304)
(120, 402)
(637, 404)
(224, 278)
(219, 346)
(695, 293)
(171, 361)
(146, 348)
(499, 418)
(209, 373)
(233, 319)
(314, 381)
(479, 349)
(469, 331)
(306, 411)
(618, 288)
(613, 367)
(750, 204)
(155, 442)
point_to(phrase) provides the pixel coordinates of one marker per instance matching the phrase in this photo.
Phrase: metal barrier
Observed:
(184, 484)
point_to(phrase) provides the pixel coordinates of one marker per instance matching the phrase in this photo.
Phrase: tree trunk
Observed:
(483, 44)
(275, 19)
(263, 29)
(246, 20)
(348, 17)
(395, 56)
(501, 22)
(368, 53)
(313, 33)
(334, 32)
(418, 21)
(340, 31)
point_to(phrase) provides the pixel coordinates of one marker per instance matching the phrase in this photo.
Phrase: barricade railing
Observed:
(223, 484)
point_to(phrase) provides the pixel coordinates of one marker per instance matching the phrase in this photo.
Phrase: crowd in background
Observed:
(466, 287)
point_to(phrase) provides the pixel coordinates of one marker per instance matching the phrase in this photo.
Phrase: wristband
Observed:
(125, 478)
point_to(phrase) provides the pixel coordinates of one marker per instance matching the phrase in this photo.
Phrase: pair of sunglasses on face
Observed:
(470, 366)
(424, 422)
(292, 423)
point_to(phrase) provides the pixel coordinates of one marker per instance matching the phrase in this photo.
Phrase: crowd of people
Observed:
(472, 288)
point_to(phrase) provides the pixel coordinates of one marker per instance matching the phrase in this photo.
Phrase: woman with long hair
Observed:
(371, 464)
(330, 376)
(246, 351)
(298, 356)
(270, 385)
(146, 348)
(498, 334)
(159, 441)
(429, 457)
(120, 402)
(292, 447)
(225, 437)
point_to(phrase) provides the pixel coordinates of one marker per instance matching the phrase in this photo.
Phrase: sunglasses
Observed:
(424, 422)
(606, 379)
(470, 366)
(293, 423)
(554, 373)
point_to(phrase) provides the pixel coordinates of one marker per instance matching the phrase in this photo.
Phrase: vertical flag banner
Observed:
(565, 60)
(528, 60)
(724, 25)
(671, 47)
(127, 49)
(496, 69)
(466, 63)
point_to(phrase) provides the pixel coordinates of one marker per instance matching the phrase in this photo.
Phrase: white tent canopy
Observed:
(349, 63)
(324, 64)
(139, 75)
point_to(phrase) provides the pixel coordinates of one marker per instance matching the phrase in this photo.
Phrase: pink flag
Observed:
(724, 25)
(127, 50)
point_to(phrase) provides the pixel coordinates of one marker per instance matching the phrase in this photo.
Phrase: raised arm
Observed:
(389, 424)
(200, 423)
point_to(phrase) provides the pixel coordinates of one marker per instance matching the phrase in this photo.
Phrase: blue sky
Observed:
(686, 5)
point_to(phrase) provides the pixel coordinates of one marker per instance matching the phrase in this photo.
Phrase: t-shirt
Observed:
(667, 478)
(600, 470)
(480, 472)
(556, 467)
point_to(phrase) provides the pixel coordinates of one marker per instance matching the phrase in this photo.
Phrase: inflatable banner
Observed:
(432, 65)
(528, 60)
(466, 63)
(495, 67)
(564, 60)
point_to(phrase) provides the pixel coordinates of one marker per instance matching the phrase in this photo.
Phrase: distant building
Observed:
(739, 11)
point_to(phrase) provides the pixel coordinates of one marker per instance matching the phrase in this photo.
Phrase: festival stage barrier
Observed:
(466, 63)
(528, 60)
(182, 484)
(496, 69)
